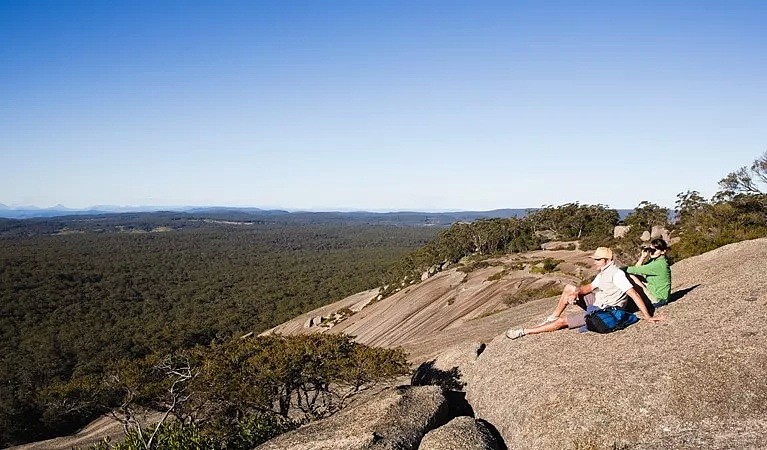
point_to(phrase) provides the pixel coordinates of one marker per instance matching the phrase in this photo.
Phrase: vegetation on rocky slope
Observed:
(239, 393)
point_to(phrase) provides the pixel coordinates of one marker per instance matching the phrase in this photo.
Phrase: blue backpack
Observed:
(609, 320)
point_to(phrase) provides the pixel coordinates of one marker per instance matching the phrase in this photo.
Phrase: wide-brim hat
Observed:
(602, 253)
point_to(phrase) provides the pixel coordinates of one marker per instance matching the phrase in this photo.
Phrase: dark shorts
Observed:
(586, 303)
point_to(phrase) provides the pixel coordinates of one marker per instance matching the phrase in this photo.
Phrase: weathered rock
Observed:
(308, 323)
(394, 420)
(357, 307)
(646, 236)
(424, 275)
(660, 232)
(559, 245)
(316, 321)
(619, 232)
(461, 433)
(695, 381)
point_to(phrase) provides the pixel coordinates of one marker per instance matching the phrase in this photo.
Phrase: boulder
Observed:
(308, 323)
(461, 433)
(660, 232)
(619, 232)
(559, 245)
(316, 321)
(695, 380)
(646, 236)
(396, 419)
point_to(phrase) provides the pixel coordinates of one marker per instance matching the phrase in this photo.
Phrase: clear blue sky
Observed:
(377, 105)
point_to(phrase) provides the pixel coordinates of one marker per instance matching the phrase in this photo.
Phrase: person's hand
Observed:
(653, 319)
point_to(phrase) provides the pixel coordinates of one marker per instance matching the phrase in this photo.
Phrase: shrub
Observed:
(526, 295)
(549, 265)
(472, 266)
(314, 374)
(243, 434)
(497, 276)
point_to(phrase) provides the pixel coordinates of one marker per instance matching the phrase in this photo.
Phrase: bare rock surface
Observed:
(396, 419)
(695, 381)
(461, 433)
(311, 319)
(455, 306)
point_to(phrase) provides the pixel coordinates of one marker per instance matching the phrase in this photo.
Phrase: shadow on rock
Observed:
(680, 293)
(458, 405)
(494, 431)
(428, 375)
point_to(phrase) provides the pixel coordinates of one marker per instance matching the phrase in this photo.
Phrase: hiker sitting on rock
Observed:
(652, 273)
(609, 289)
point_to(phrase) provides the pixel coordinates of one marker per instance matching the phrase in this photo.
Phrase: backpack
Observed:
(609, 320)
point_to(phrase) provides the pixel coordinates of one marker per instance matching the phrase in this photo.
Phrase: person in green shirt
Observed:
(652, 272)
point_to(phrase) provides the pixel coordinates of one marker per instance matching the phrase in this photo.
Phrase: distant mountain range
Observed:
(31, 212)
(398, 217)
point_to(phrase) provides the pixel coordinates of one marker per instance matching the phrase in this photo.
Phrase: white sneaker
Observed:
(515, 333)
(548, 320)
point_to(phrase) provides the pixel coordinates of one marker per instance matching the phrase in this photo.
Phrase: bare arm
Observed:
(585, 289)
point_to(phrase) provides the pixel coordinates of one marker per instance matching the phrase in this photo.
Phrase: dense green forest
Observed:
(104, 289)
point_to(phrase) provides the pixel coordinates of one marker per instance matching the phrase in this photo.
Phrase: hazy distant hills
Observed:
(406, 217)
(29, 212)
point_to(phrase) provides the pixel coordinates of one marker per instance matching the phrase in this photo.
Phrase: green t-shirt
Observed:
(658, 276)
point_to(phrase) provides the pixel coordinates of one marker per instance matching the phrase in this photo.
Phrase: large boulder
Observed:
(461, 433)
(620, 231)
(559, 245)
(697, 380)
(396, 419)
(660, 232)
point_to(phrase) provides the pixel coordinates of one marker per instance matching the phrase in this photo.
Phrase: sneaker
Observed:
(548, 320)
(515, 333)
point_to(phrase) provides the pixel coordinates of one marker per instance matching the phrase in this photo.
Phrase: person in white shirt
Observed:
(610, 288)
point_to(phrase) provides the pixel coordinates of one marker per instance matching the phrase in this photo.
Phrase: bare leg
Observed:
(553, 322)
(640, 282)
(551, 326)
(569, 294)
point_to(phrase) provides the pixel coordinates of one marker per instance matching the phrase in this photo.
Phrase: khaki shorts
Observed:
(577, 320)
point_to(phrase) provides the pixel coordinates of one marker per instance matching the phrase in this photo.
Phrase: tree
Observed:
(575, 221)
(735, 213)
(314, 374)
(746, 180)
(646, 215)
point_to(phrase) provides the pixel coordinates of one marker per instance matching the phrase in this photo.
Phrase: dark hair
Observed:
(659, 244)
